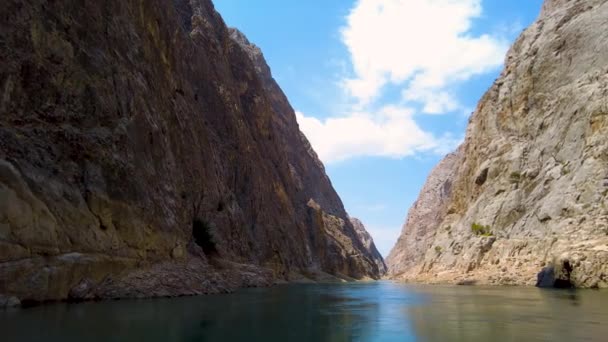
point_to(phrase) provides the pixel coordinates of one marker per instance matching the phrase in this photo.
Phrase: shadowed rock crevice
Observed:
(184, 13)
(559, 277)
(201, 232)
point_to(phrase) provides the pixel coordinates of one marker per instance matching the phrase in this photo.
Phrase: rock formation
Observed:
(369, 244)
(425, 215)
(524, 199)
(145, 150)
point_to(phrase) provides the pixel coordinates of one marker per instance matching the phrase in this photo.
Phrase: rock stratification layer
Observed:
(524, 199)
(145, 150)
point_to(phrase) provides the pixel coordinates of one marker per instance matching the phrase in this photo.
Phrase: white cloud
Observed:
(421, 48)
(390, 132)
(435, 102)
(424, 45)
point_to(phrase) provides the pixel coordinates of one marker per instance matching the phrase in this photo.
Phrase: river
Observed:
(375, 311)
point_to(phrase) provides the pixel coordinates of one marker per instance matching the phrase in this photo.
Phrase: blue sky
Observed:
(382, 88)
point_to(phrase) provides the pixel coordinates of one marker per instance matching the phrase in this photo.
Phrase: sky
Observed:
(383, 89)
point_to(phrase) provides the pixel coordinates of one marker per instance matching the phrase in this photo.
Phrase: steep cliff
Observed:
(368, 243)
(524, 199)
(145, 150)
(424, 217)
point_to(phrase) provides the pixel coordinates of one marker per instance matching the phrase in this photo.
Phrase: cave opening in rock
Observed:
(563, 282)
(201, 232)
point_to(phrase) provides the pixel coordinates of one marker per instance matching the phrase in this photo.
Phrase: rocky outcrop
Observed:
(424, 217)
(368, 243)
(524, 200)
(145, 150)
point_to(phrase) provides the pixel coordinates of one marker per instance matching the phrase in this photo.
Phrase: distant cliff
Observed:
(145, 150)
(524, 199)
(369, 244)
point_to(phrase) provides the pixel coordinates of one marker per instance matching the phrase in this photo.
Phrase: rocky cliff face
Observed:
(524, 199)
(145, 150)
(424, 217)
(369, 244)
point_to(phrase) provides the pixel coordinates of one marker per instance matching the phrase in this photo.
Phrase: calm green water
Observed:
(380, 311)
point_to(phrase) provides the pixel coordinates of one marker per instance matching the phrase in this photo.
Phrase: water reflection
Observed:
(350, 312)
(509, 314)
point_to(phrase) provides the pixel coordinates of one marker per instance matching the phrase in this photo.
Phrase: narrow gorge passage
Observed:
(156, 182)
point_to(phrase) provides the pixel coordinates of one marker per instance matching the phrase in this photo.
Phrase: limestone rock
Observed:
(424, 217)
(532, 170)
(142, 147)
(368, 243)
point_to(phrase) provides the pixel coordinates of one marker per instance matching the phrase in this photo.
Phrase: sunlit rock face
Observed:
(145, 150)
(524, 199)
(368, 243)
(426, 214)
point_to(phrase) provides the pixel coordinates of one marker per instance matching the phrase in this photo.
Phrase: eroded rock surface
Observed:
(369, 244)
(145, 150)
(527, 191)
(424, 217)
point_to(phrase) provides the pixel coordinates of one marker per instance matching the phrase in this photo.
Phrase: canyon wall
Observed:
(145, 150)
(524, 199)
(368, 243)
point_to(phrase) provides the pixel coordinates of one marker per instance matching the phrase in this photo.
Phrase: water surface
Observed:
(381, 311)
